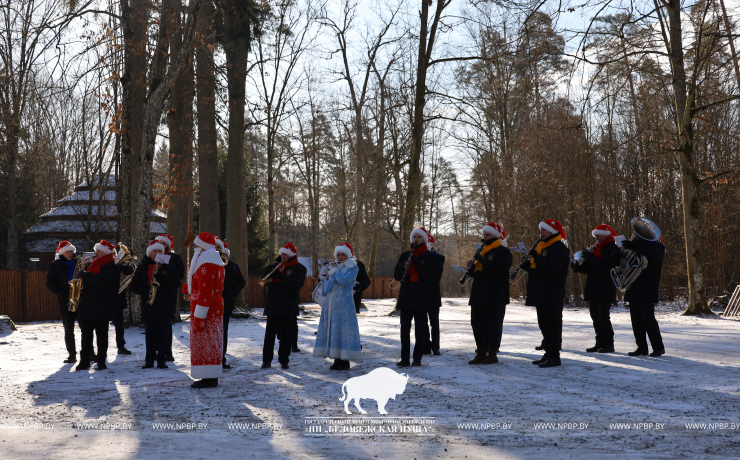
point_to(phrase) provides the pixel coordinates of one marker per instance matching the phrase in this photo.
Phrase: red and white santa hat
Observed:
(289, 249)
(553, 226)
(344, 248)
(219, 243)
(153, 246)
(603, 230)
(225, 250)
(65, 246)
(430, 243)
(497, 230)
(166, 240)
(205, 241)
(419, 230)
(105, 247)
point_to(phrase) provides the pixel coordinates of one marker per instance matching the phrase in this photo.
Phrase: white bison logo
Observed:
(381, 385)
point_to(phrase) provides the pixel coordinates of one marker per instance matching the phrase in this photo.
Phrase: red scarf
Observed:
(604, 242)
(290, 263)
(413, 273)
(99, 262)
(150, 272)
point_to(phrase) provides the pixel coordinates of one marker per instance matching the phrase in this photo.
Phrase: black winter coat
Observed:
(599, 284)
(546, 283)
(419, 295)
(168, 282)
(491, 285)
(362, 279)
(234, 282)
(58, 284)
(646, 287)
(99, 293)
(283, 296)
(437, 301)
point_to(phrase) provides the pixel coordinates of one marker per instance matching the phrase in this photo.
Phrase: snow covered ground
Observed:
(594, 406)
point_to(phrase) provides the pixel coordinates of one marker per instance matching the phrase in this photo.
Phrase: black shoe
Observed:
(436, 352)
(284, 366)
(416, 363)
(541, 346)
(266, 366)
(551, 362)
(226, 366)
(101, 366)
(657, 353)
(638, 352)
(162, 366)
(147, 365)
(541, 360)
(83, 366)
(204, 383)
(169, 357)
(345, 365)
(295, 350)
(479, 358)
(124, 351)
(593, 349)
(606, 350)
(403, 363)
(336, 365)
(71, 359)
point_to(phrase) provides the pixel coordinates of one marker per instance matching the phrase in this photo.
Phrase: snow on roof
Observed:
(96, 182)
(80, 226)
(84, 195)
(49, 245)
(110, 210)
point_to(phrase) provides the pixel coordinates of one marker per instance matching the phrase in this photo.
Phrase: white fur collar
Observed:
(200, 257)
(349, 263)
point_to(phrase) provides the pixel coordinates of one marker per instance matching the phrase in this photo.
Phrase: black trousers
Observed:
(294, 337)
(68, 321)
(421, 333)
(602, 324)
(156, 334)
(433, 314)
(118, 323)
(643, 319)
(357, 297)
(488, 327)
(227, 316)
(550, 320)
(275, 326)
(101, 332)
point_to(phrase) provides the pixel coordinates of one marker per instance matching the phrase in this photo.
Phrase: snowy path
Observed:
(698, 381)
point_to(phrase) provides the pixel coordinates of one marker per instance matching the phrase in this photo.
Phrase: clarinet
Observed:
(469, 271)
(524, 260)
(411, 256)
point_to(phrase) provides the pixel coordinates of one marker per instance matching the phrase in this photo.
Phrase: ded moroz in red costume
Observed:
(205, 284)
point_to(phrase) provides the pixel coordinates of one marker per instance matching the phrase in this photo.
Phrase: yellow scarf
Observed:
(542, 245)
(494, 245)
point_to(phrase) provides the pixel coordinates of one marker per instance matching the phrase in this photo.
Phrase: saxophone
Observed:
(75, 285)
(155, 285)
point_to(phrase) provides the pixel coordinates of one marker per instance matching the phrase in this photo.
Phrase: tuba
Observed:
(632, 265)
(75, 285)
(224, 259)
(126, 257)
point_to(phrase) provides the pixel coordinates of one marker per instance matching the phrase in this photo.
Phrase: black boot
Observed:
(93, 357)
(403, 363)
(295, 350)
(101, 365)
(83, 366)
(541, 360)
(638, 352)
(593, 349)
(416, 363)
(147, 365)
(72, 358)
(204, 383)
(345, 366)
(657, 353)
(169, 356)
(541, 346)
(266, 366)
(124, 351)
(162, 365)
(606, 349)
(551, 362)
(479, 358)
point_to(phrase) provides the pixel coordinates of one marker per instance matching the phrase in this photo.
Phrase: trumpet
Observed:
(579, 258)
(405, 272)
(469, 271)
(263, 282)
(224, 259)
(513, 279)
(155, 285)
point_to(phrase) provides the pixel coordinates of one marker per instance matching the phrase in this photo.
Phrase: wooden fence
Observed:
(24, 296)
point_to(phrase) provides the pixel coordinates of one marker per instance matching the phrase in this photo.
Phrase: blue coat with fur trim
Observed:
(338, 336)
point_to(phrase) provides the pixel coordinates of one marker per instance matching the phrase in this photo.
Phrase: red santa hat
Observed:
(289, 249)
(219, 243)
(65, 246)
(153, 246)
(603, 230)
(430, 243)
(553, 226)
(225, 250)
(166, 240)
(205, 241)
(344, 248)
(105, 247)
(419, 230)
(497, 230)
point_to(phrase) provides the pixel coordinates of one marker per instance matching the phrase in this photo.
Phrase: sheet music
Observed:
(520, 248)
(619, 240)
(162, 259)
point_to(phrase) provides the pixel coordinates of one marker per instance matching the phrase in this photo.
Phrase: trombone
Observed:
(263, 281)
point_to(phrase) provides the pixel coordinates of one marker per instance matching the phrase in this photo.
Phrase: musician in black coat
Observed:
(59, 274)
(97, 303)
(234, 282)
(416, 295)
(489, 294)
(176, 260)
(643, 294)
(281, 304)
(600, 292)
(361, 283)
(157, 316)
(548, 273)
(433, 313)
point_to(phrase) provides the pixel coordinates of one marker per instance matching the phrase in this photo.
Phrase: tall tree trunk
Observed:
(180, 124)
(731, 41)
(689, 179)
(236, 215)
(208, 208)
(13, 258)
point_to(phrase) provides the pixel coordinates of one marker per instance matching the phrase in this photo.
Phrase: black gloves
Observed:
(628, 244)
(479, 258)
(533, 252)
